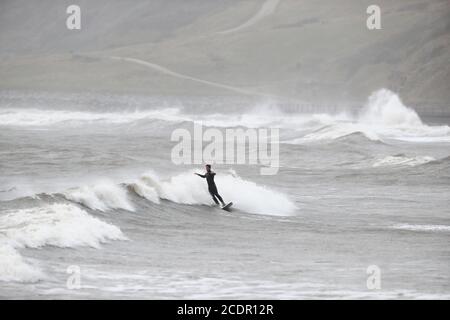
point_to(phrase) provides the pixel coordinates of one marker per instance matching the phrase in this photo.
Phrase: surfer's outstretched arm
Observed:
(200, 175)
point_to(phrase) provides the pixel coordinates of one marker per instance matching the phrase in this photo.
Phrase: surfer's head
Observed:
(208, 167)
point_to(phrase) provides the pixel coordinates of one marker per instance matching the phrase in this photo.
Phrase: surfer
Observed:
(209, 175)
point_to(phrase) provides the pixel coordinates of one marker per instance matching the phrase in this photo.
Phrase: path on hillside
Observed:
(267, 9)
(169, 72)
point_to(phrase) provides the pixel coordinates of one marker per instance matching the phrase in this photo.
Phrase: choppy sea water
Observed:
(88, 185)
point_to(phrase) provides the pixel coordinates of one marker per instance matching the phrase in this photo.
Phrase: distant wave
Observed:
(385, 114)
(383, 117)
(40, 117)
(422, 227)
(267, 9)
(444, 161)
(402, 160)
(337, 131)
(61, 225)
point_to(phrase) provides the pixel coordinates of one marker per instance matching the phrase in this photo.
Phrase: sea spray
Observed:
(385, 108)
(383, 117)
(185, 188)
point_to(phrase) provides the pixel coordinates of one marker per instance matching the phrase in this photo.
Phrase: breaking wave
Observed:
(101, 196)
(13, 267)
(66, 225)
(39, 117)
(60, 225)
(186, 188)
(383, 117)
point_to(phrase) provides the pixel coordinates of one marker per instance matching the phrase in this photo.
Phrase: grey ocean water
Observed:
(87, 182)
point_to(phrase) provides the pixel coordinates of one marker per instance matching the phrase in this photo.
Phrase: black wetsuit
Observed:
(212, 186)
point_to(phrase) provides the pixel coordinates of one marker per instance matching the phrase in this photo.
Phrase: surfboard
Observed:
(227, 207)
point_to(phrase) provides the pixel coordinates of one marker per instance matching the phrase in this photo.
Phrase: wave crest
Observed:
(402, 160)
(13, 266)
(38, 117)
(385, 108)
(383, 117)
(101, 196)
(61, 225)
(186, 188)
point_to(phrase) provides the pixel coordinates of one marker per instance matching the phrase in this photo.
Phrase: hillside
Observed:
(317, 51)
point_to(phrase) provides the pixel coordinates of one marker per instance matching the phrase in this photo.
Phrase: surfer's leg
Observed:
(220, 198)
(214, 197)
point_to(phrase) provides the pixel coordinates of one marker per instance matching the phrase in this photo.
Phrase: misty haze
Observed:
(327, 139)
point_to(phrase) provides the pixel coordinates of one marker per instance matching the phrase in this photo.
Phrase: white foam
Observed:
(13, 266)
(423, 227)
(383, 117)
(338, 131)
(61, 225)
(101, 196)
(187, 188)
(39, 117)
(403, 161)
(143, 189)
(386, 114)
(386, 109)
